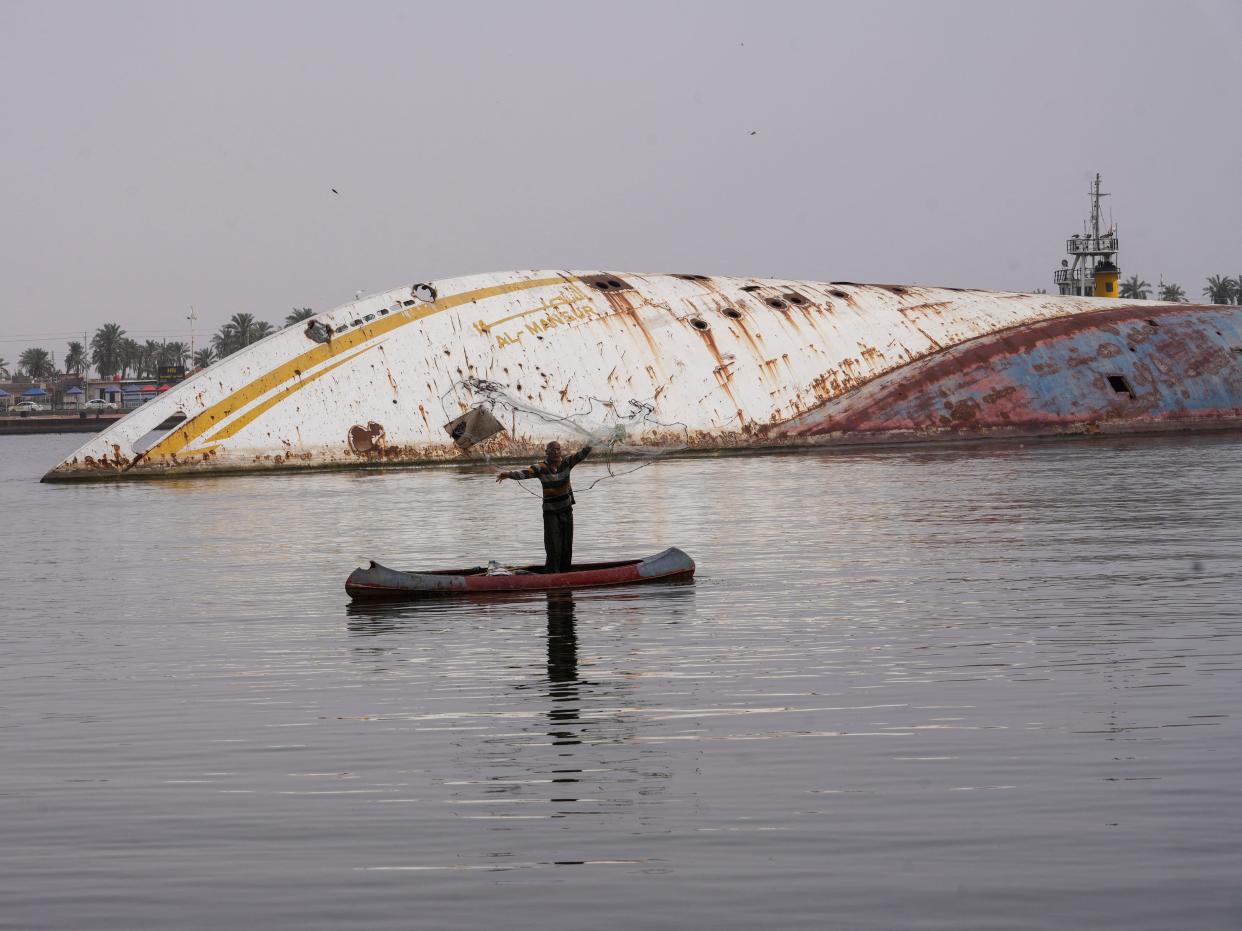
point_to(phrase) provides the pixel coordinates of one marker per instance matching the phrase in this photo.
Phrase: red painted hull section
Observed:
(1126, 369)
(378, 582)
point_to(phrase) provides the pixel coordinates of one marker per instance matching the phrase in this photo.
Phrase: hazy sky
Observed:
(162, 155)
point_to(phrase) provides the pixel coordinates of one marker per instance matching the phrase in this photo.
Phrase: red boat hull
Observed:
(377, 582)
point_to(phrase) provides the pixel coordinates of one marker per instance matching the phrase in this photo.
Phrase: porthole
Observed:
(699, 323)
(776, 303)
(837, 292)
(732, 313)
(750, 288)
(796, 299)
(606, 281)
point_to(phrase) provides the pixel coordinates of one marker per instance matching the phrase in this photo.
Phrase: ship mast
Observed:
(1095, 207)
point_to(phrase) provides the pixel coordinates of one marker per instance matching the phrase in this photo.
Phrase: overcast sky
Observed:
(163, 155)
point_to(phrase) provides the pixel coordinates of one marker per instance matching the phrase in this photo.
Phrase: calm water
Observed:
(950, 690)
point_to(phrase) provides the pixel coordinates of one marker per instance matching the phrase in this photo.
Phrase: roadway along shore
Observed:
(57, 423)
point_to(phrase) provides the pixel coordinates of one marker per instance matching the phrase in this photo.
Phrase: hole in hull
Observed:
(149, 439)
(1120, 384)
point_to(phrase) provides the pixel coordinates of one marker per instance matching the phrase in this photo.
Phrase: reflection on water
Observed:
(921, 689)
(562, 666)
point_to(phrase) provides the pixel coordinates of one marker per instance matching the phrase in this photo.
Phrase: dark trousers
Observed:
(558, 540)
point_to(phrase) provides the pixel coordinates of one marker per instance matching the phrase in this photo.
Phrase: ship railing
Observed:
(1087, 245)
(1073, 275)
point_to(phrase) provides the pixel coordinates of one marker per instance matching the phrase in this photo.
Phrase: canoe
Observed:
(377, 582)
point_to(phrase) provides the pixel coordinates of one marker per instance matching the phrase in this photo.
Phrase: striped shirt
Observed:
(557, 493)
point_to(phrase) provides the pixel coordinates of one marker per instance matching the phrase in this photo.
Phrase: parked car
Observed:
(98, 404)
(29, 407)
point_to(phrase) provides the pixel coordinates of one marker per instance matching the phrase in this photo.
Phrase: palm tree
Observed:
(36, 363)
(1172, 293)
(4, 368)
(243, 326)
(106, 349)
(225, 341)
(131, 357)
(204, 357)
(1135, 289)
(240, 331)
(1220, 290)
(299, 314)
(151, 350)
(174, 353)
(75, 359)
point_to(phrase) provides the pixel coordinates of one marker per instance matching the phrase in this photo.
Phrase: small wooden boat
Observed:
(376, 582)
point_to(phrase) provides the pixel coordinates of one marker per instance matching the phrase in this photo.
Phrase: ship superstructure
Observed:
(1091, 270)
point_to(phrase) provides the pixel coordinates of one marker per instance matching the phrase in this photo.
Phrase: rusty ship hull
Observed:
(722, 363)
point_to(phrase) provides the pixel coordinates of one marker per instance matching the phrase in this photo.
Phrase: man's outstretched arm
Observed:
(516, 474)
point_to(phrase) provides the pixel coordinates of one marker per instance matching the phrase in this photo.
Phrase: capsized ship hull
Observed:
(731, 362)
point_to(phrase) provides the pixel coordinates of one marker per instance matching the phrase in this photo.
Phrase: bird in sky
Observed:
(335, 191)
(754, 132)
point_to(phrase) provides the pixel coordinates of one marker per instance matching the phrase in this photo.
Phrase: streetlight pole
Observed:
(192, 317)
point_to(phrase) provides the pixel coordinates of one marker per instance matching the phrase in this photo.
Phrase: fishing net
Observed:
(617, 432)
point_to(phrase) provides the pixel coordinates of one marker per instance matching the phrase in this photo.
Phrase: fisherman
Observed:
(558, 502)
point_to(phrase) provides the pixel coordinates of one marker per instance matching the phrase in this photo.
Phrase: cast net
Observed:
(625, 436)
